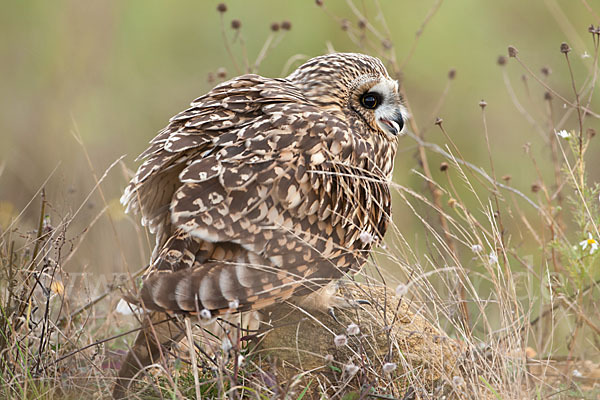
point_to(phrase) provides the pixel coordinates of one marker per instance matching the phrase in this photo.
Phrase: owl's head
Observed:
(355, 85)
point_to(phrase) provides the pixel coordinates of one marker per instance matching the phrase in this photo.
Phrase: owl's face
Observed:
(375, 99)
(356, 86)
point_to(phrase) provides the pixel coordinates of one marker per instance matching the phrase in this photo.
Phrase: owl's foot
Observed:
(343, 303)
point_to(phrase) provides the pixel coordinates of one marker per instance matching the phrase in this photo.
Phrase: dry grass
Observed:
(509, 274)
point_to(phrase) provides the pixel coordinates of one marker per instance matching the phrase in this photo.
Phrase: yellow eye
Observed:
(369, 100)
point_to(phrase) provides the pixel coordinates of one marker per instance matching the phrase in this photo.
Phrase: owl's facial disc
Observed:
(389, 114)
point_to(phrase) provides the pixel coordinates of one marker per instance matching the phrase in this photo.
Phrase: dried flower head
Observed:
(221, 73)
(482, 104)
(506, 178)
(389, 367)
(458, 381)
(329, 358)
(493, 258)
(547, 96)
(535, 187)
(366, 237)
(340, 340)
(234, 304)
(362, 23)
(286, 25)
(565, 48)
(222, 7)
(444, 166)
(319, 3)
(452, 74)
(236, 24)
(546, 71)
(345, 24)
(501, 61)
(351, 369)
(205, 314)
(387, 44)
(226, 345)
(352, 329)
(591, 132)
(512, 51)
(438, 121)
(401, 290)
(274, 26)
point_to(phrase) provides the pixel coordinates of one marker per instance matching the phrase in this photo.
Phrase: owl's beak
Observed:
(393, 126)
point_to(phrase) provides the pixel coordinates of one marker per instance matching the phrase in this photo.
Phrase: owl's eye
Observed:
(370, 100)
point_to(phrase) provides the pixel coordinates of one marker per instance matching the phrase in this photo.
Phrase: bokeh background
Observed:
(113, 72)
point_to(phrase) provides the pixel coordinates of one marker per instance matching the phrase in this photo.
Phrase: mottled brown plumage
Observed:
(266, 188)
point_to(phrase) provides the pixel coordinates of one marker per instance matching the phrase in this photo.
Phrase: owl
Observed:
(266, 190)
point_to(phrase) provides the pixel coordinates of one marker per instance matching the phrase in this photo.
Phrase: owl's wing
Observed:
(260, 207)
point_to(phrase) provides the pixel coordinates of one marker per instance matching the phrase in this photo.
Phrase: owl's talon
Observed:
(331, 312)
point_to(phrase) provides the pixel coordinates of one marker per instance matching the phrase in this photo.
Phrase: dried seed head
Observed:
(512, 51)
(476, 248)
(205, 314)
(591, 132)
(286, 25)
(482, 104)
(591, 29)
(438, 121)
(444, 166)
(452, 74)
(389, 367)
(564, 48)
(401, 290)
(340, 340)
(226, 345)
(458, 381)
(546, 71)
(221, 73)
(222, 7)
(319, 3)
(501, 60)
(328, 358)
(535, 187)
(451, 202)
(352, 329)
(362, 24)
(351, 369)
(506, 178)
(387, 44)
(274, 26)
(345, 24)
(236, 24)
(547, 96)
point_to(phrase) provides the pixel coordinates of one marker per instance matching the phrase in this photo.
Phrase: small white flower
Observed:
(328, 358)
(389, 367)
(124, 308)
(493, 258)
(401, 290)
(340, 340)
(226, 345)
(351, 369)
(458, 381)
(234, 304)
(577, 374)
(366, 237)
(563, 134)
(205, 314)
(585, 55)
(591, 242)
(477, 248)
(352, 329)
(241, 360)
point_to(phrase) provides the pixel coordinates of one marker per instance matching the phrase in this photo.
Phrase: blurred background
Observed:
(85, 83)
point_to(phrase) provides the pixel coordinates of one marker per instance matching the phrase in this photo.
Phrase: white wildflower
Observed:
(589, 242)
(577, 374)
(401, 290)
(477, 248)
(585, 55)
(352, 329)
(205, 314)
(493, 258)
(563, 134)
(240, 361)
(340, 340)
(125, 308)
(366, 237)
(351, 369)
(328, 358)
(389, 367)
